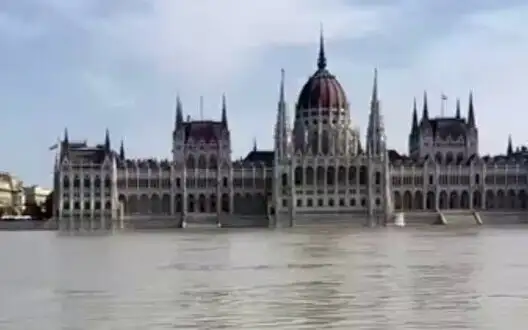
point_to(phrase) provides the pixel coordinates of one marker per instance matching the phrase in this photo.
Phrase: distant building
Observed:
(317, 166)
(36, 195)
(12, 199)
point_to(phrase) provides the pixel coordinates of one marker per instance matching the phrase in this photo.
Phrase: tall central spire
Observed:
(375, 88)
(321, 60)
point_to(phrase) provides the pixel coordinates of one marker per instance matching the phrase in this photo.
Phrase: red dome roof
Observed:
(322, 90)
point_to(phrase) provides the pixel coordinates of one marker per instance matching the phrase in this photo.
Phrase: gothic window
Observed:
(298, 176)
(284, 180)
(66, 182)
(76, 182)
(325, 143)
(438, 158)
(213, 162)
(363, 175)
(97, 182)
(86, 182)
(309, 176)
(449, 158)
(107, 182)
(330, 175)
(202, 163)
(190, 163)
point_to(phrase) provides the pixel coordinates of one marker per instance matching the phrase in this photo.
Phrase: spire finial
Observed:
(471, 111)
(254, 144)
(321, 61)
(107, 139)
(66, 137)
(179, 113)
(281, 92)
(415, 115)
(375, 86)
(122, 150)
(224, 110)
(425, 112)
(458, 115)
(509, 151)
(201, 107)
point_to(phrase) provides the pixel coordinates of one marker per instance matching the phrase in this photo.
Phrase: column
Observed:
(293, 201)
(277, 187)
(231, 192)
(183, 214)
(370, 210)
(437, 187)
(173, 187)
(219, 182)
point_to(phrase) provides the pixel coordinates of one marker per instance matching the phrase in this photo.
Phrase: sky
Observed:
(89, 65)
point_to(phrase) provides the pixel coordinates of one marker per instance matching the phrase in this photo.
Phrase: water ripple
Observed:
(305, 279)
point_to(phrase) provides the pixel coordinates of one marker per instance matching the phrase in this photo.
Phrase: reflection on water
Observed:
(301, 278)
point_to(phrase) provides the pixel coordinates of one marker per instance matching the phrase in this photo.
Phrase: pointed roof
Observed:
(107, 140)
(224, 110)
(425, 110)
(178, 120)
(471, 111)
(321, 59)
(414, 115)
(122, 150)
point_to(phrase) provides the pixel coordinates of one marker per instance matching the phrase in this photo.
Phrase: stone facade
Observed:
(319, 166)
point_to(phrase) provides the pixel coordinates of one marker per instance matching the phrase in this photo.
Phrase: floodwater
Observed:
(300, 278)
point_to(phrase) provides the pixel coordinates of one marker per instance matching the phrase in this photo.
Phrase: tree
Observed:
(49, 205)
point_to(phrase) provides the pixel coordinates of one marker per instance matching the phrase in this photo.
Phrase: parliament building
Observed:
(320, 166)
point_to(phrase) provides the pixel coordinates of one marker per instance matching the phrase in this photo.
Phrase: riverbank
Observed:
(493, 218)
(28, 225)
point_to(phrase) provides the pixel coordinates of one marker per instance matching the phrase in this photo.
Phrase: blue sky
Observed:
(94, 64)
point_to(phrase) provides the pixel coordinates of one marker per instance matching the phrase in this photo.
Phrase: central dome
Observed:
(322, 90)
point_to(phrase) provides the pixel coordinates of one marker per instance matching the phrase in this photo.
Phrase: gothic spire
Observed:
(66, 140)
(254, 144)
(414, 116)
(375, 130)
(107, 140)
(224, 110)
(178, 121)
(458, 116)
(471, 111)
(509, 150)
(375, 88)
(321, 60)
(281, 125)
(122, 151)
(425, 111)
